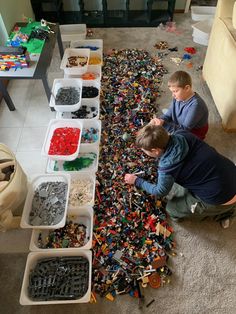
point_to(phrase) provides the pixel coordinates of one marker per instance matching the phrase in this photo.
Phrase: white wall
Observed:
(13, 10)
(3, 32)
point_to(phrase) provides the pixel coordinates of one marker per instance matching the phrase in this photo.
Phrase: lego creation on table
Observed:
(39, 63)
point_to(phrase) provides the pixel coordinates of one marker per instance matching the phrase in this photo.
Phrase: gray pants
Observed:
(181, 204)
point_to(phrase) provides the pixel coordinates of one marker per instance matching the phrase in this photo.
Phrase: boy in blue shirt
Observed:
(187, 111)
(206, 180)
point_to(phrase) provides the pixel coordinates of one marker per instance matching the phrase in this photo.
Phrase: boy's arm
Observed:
(192, 118)
(161, 189)
(197, 112)
(168, 115)
(169, 125)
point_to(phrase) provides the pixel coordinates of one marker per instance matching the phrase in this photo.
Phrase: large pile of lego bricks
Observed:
(132, 238)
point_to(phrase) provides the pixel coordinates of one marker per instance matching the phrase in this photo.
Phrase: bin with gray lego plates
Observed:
(57, 277)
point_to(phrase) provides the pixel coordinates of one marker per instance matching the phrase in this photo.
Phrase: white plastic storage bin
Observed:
(72, 32)
(88, 124)
(82, 190)
(200, 40)
(91, 152)
(77, 69)
(92, 83)
(31, 262)
(92, 107)
(65, 83)
(95, 70)
(62, 123)
(92, 44)
(35, 183)
(83, 215)
(200, 13)
(202, 30)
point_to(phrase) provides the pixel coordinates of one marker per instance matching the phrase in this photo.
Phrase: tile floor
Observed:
(24, 129)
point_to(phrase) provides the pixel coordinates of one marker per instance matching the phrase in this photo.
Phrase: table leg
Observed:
(6, 96)
(59, 41)
(46, 87)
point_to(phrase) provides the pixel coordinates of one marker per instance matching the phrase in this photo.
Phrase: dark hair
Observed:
(152, 136)
(180, 78)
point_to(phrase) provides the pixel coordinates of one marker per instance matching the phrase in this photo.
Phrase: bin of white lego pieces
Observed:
(89, 110)
(62, 140)
(75, 61)
(77, 234)
(82, 190)
(57, 277)
(86, 161)
(66, 94)
(46, 201)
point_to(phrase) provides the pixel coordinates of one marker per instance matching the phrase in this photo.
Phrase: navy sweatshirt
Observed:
(196, 166)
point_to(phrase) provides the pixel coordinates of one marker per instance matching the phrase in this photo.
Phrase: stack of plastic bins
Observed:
(94, 72)
(46, 286)
(49, 247)
(72, 32)
(201, 13)
(62, 140)
(92, 44)
(201, 30)
(35, 213)
(86, 161)
(96, 54)
(89, 105)
(85, 165)
(89, 110)
(45, 278)
(75, 61)
(59, 98)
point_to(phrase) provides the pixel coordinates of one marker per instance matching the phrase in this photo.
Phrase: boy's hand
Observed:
(157, 121)
(130, 178)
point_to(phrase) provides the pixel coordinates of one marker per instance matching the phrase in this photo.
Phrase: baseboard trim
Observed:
(231, 130)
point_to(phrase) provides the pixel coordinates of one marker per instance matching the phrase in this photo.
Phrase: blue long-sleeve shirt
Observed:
(187, 115)
(197, 167)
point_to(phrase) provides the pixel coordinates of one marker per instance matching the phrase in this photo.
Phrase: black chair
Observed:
(50, 10)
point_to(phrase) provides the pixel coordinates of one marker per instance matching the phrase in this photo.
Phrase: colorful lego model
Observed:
(18, 39)
(8, 62)
(13, 58)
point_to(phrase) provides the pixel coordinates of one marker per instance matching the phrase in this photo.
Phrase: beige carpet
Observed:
(204, 270)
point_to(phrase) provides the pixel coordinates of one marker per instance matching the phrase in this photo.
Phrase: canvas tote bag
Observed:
(13, 191)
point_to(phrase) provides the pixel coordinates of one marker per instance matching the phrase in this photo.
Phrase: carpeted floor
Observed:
(204, 269)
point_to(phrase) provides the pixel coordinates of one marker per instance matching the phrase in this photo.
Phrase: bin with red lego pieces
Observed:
(63, 137)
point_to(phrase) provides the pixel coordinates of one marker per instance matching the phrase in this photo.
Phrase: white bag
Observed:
(12, 192)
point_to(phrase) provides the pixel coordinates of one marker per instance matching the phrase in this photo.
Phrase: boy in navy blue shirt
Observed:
(187, 111)
(206, 180)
